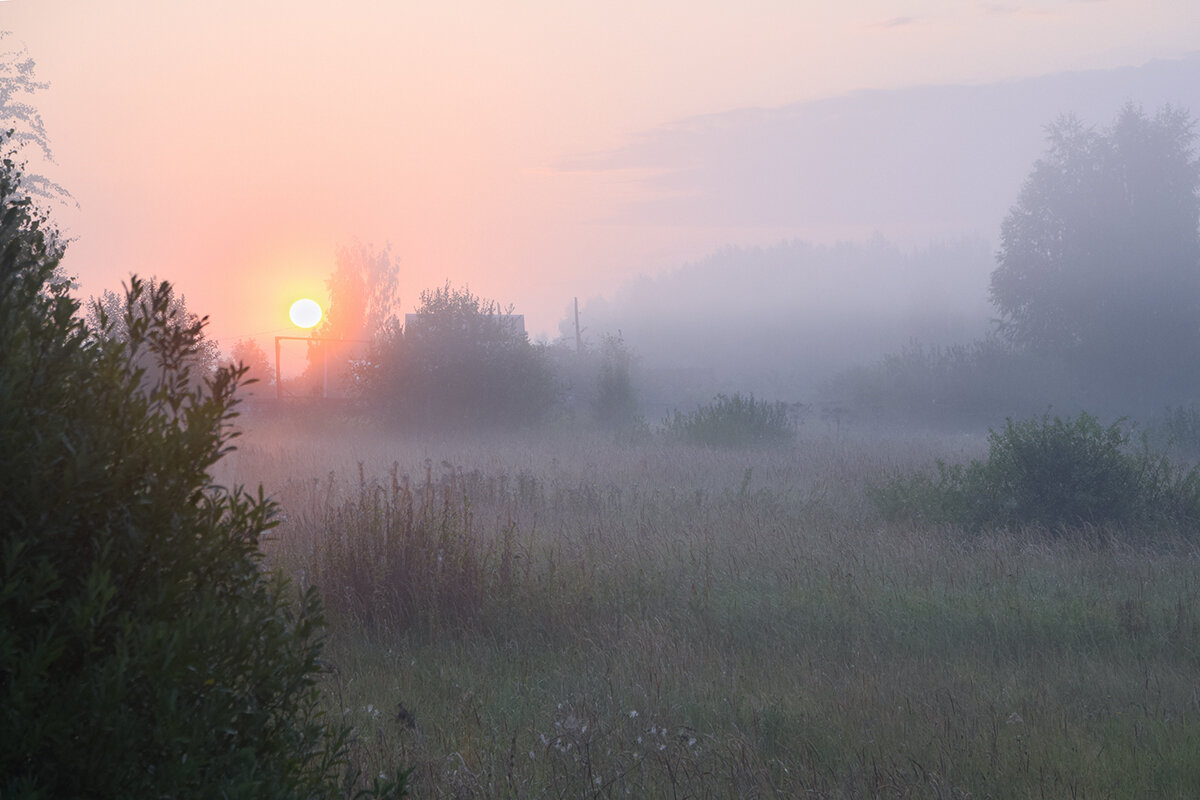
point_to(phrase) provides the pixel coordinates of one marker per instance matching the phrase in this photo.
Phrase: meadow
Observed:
(567, 615)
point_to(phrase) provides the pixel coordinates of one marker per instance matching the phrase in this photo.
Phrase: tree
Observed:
(362, 293)
(615, 404)
(1099, 260)
(461, 360)
(247, 352)
(24, 130)
(362, 308)
(109, 316)
(143, 651)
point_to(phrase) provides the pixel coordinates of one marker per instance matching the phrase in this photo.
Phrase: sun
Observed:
(305, 313)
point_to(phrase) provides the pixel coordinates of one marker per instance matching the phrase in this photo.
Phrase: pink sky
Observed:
(231, 146)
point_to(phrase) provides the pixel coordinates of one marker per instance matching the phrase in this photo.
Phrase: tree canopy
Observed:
(1099, 260)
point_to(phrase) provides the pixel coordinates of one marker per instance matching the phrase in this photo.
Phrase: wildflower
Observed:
(633, 714)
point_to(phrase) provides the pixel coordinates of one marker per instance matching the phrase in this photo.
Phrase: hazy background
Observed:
(540, 151)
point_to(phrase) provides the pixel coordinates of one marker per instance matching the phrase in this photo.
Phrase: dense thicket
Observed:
(142, 651)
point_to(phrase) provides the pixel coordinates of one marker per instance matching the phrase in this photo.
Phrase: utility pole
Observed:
(578, 338)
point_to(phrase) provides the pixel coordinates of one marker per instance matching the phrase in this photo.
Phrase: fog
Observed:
(781, 320)
(895, 201)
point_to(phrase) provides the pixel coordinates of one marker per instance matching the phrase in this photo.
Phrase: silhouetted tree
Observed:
(362, 308)
(1099, 261)
(461, 360)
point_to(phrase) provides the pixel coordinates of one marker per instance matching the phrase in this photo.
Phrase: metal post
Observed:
(578, 339)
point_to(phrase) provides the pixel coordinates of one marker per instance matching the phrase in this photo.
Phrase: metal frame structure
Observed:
(324, 361)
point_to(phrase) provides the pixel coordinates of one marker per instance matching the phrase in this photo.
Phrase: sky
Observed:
(232, 146)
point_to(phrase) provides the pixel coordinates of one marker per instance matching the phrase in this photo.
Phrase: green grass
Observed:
(775, 636)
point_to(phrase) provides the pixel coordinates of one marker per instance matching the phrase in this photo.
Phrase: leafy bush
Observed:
(142, 651)
(1052, 473)
(737, 421)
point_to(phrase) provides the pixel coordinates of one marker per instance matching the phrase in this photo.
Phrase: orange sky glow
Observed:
(232, 146)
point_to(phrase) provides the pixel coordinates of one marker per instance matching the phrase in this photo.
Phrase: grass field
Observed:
(564, 616)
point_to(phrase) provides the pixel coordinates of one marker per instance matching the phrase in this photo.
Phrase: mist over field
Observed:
(781, 321)
(899, 196)
(533, 400)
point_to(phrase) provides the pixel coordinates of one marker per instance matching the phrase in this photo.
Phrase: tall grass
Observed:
(577, 619)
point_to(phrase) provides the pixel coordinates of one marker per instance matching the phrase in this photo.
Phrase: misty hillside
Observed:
(917, 180)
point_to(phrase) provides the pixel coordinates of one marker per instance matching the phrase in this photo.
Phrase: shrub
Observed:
(142, 651)
(1052, 473)
(737, 421)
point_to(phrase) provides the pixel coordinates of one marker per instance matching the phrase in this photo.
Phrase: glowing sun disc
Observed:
(305, 313)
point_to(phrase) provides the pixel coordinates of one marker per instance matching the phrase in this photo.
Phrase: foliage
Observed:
(737, 421)
(258, 365)
(1052, 473)
(22, 121)
(615, 404)
(461, 361)
(142, 651)
(362, 293)
(108, 316)
(361, 311)
(1100, 260)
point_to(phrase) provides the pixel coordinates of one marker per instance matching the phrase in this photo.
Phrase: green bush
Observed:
(143, 653)
(1052, 473)
(737, 421)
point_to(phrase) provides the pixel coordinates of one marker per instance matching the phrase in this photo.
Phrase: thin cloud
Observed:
(894, 22)
(1013, 10)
